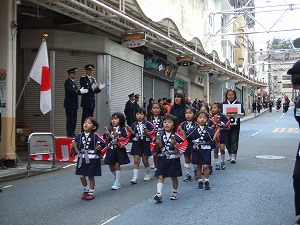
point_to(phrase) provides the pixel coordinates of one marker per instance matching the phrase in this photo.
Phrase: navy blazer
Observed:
(71, 94)
(88, 99)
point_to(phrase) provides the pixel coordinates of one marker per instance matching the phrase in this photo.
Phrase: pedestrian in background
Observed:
(179, 107)
(89, 145)
(258, 106)
(71, 101)
(88, 99)
(295, 79)
(130, 109)
(254, 104)
(196, 105)
(137, 99)
(232, 140)
(270, 105)
(149, 106)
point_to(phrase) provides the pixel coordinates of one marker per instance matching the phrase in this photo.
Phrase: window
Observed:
(286, 77)
(287, 86)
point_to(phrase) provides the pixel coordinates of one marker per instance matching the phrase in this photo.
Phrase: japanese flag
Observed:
(41, 74)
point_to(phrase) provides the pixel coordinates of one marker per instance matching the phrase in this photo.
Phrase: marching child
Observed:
(201, 154)
(156, 117)
(117, 138)
(221, 124)
(142, 133)
(185, 128)
(169, 146)
(211, 124)
(89, 146)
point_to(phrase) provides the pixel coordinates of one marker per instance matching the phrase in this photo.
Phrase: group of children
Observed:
(154, 135)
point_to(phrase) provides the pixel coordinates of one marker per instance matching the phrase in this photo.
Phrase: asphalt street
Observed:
(255, 191)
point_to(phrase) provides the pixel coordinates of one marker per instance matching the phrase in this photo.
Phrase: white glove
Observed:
(94, 86)
(83, 90)
(101, 86)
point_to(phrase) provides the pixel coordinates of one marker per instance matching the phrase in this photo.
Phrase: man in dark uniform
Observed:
(88, 99)
(130, 109)
(71, 101)
(295, 80)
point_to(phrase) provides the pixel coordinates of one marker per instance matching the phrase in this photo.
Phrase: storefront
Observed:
(159, 75)
(112, 66)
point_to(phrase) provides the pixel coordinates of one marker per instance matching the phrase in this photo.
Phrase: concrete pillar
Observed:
(172, 92)
(8, 63)
(206, 88)
(245, 100)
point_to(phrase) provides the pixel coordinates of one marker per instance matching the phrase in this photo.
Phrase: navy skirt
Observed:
(140, 147)
(189, 149)
(89, 169)
(116, 155)
(202, 157)
(223, 137)
(169, 167)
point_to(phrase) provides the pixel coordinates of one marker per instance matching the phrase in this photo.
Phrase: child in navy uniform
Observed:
(169, 146)
(202, 138)
(185, 128)
(117, 138)
(155, 116)
(222, 123)
(89, 145)
(142, 133)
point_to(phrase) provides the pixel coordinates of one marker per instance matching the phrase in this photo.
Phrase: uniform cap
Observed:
(73, 70)
(295, 69)
(137, 96)
(89, 67)
(131, 95)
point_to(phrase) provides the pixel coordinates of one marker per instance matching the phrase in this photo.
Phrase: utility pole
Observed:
(269, 80)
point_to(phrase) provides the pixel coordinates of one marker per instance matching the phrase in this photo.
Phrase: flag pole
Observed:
(27, 79)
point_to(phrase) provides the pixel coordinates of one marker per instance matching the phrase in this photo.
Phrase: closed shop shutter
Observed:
(65, 60)
(125, 78)
(196, 92)
(148, 88)
(161, 89)
(33, 117)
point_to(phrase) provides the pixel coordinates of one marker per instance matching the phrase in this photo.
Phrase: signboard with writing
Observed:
(280, 56)
(41, 143)
(159, 67)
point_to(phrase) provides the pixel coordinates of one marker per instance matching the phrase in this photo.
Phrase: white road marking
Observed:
(282, 115)
(256, 133)
(69, 165)
(7, 186)
(110, 219)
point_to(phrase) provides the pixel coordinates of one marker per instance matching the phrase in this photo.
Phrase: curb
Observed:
(257, 114)
(25, 174)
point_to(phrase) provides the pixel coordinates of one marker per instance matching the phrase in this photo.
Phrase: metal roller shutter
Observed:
(125, 78)
(148, 88)
(196, 92)
(33, 117)
(65, 60)
(161, 89)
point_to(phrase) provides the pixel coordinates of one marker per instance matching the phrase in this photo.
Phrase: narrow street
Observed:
(254, 191)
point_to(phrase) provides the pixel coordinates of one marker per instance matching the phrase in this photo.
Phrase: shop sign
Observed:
(133, 43)
(185, 63)
(280, 56)
(159, 67)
